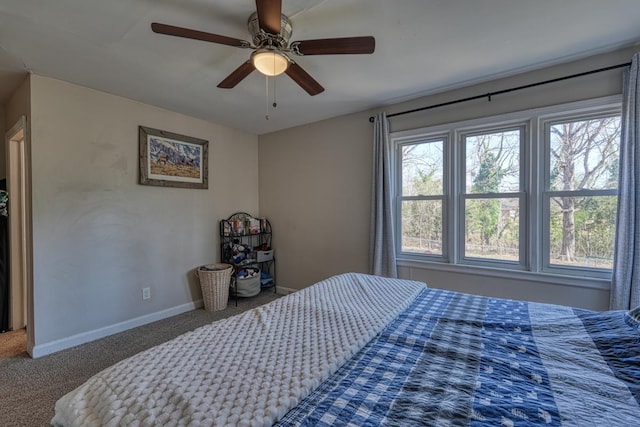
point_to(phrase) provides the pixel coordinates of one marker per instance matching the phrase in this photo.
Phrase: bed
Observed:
(363, 350)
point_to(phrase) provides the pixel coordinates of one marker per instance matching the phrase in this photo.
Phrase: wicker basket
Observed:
(214, 282)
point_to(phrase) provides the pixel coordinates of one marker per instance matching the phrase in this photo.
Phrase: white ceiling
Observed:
(422, 47)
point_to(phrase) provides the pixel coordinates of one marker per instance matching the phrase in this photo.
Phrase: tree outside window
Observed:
(583, 182)
(491, 199)
(534, 190)
(422, 197)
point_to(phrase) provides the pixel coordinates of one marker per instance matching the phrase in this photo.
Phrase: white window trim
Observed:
(546, 194)
(445, 257)
(534, 263)
(516, 275)
(462, 196)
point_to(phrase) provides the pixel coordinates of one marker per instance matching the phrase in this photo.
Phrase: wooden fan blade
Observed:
(187, 33)
(237, 75)
(337, 46)
(303, 79)
(269, 15)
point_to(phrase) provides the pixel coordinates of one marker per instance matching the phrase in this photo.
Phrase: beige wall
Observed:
(315, 183)
(493, 285)
(586, 87)
(314, 188)
(19, 104)
(98, 236)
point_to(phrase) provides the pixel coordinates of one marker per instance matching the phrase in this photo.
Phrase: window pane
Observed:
(492, 229)
(584, 154)
(493, 162)
(582, 231)
(422, 169)
(422, 226)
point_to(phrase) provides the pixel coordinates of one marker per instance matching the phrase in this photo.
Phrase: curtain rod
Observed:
(500, 92)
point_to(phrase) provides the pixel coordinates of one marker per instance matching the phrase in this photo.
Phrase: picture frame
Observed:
(169, 159)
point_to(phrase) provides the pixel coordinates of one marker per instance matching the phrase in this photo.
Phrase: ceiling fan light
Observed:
(270, 62)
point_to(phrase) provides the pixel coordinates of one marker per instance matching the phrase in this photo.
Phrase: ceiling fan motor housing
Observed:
(271, 31)
(262, 39)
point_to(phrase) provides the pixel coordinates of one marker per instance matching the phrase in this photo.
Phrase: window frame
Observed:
(533, 217)
(399, 198)
(521, 195)
(547, 194)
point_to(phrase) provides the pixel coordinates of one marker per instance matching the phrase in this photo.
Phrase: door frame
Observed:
(18, 164)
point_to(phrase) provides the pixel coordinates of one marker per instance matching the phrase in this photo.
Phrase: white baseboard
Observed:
(85, 337)
(282, 290)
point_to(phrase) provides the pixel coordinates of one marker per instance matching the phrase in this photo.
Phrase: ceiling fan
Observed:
(270, 31)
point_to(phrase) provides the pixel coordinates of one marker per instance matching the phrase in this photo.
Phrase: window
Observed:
(580, 198)
(423, 197)
(534, 190)
(492, 195)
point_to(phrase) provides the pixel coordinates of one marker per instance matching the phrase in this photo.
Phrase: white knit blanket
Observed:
(247, 370)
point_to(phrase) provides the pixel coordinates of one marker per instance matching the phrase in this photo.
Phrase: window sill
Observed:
(555, 279)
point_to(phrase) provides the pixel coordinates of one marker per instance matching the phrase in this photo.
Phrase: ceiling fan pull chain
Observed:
(275, 104)
(266, 84)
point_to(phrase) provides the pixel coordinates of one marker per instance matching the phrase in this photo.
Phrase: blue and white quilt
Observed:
(454, 359)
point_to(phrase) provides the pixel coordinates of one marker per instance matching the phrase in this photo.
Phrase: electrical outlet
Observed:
(146, 293)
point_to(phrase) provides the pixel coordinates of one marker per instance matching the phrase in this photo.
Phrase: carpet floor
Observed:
(29, 388)
(13, 343)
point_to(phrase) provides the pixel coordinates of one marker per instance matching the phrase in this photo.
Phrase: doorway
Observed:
(18, 157)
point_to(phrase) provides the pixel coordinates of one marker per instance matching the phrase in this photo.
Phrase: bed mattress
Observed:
(359, 350)
(248, 370)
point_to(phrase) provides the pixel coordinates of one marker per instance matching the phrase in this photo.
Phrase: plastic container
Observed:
(263, 256)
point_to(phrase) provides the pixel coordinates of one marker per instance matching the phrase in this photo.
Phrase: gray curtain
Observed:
(625, 286)
(382, 252)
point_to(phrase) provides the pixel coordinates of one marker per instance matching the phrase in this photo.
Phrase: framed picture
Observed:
(171, 160)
